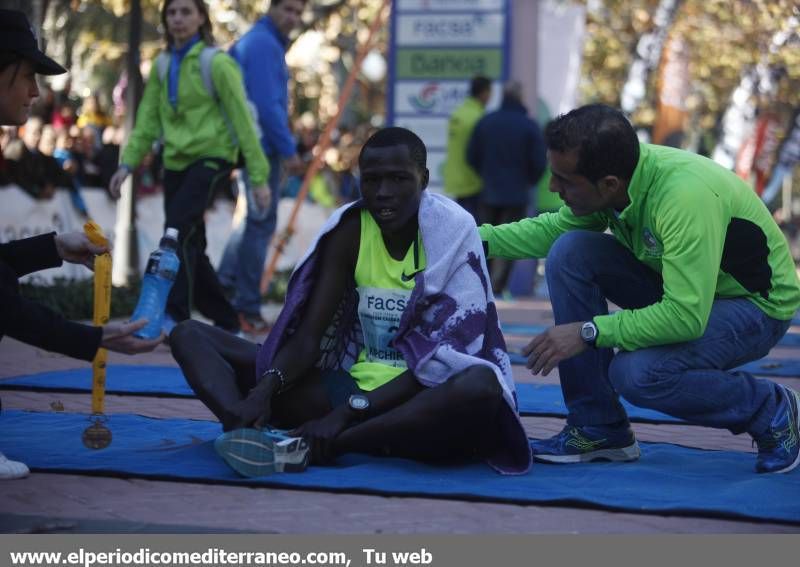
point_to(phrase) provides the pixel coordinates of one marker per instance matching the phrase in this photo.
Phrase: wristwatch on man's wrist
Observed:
(589, 334)
(359, 406)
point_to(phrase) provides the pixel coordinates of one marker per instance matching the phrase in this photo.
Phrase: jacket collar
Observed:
(640, 182)
(267, 22)
(181, 52)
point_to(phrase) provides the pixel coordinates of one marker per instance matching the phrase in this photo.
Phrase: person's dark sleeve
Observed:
(31, 254)
(35, 324)
(538, 158)
(474, 148)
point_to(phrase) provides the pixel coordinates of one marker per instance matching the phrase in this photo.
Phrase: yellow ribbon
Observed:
(102, 310)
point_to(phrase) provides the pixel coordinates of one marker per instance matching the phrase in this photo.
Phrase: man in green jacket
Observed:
(701, 271)
(461, 182)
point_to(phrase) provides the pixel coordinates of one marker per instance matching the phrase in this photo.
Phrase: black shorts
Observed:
(340, 385)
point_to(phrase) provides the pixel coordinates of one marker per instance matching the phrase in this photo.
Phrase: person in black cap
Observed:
(23, 319)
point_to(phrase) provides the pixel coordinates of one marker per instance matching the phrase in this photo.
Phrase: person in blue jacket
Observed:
(261, 55)
(508, 152)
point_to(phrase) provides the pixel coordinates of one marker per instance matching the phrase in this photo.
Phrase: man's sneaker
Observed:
(12, 469)
(257, 452)
(583, 444)
(779, 448)
(253, 323)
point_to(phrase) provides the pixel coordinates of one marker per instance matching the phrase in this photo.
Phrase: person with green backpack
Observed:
(195, 100)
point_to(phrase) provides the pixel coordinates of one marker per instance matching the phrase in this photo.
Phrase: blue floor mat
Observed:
(668, 479)
(546, 400)
(789, 339)
(168, 381)
(781, 367)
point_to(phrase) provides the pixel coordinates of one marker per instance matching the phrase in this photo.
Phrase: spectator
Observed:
(20, 318)
(92, 114)
(507, 150)
(261, 54)
(27, 167)
(198, 151)
(461, 181)
(63, 117)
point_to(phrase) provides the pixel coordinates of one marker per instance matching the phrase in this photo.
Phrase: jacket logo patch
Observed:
(651, 245)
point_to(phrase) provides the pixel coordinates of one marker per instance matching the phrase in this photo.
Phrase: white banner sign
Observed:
(448, 5)
(22, 216)
(470, 29)
(432, 131)
(436, 97)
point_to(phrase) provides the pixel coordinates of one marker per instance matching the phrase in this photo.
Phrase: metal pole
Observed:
(127, 242)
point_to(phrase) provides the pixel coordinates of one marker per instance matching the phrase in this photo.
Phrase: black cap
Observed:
(16, 34)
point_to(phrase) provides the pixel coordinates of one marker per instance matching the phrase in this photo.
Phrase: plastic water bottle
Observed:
(160, 274)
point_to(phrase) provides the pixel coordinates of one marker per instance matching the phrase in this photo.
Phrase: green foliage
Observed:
(725, 38)
(74, 299)
(277, 287)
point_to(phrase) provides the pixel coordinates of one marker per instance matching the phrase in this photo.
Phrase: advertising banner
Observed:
(436, 48)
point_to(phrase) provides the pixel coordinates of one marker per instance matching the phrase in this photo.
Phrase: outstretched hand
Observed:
(75, 247)
(118, 337)
(556, 344)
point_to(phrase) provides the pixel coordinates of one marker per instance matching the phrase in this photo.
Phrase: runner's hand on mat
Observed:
(262, 196)
(75, 247)
(115, 185)
(321, 433)
(256, 409)
(119, 338)
(557, 343)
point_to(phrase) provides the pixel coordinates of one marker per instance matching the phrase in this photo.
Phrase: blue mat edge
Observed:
(396, 492)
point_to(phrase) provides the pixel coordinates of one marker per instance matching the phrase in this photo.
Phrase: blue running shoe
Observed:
(779, 448)
(257, 452)
(585, 443)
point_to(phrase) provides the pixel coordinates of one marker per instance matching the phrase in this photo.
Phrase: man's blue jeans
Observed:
(243, 259)
(690, 380)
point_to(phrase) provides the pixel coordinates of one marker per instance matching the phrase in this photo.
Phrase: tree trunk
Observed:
(127, 238)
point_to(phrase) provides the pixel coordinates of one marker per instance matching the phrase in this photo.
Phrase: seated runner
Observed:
(388, 342)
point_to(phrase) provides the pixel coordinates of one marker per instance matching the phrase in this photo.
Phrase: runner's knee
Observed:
(477, 386)
(184, 335)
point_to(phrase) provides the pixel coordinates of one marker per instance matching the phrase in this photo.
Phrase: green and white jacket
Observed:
(697, 224)
(196, 127)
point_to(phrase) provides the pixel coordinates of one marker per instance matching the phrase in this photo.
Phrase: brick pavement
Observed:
(43, 502)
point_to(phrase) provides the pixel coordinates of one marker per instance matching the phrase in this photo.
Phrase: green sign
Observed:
(449, 63)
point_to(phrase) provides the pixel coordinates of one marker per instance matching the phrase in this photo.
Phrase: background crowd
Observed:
(74, 143)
